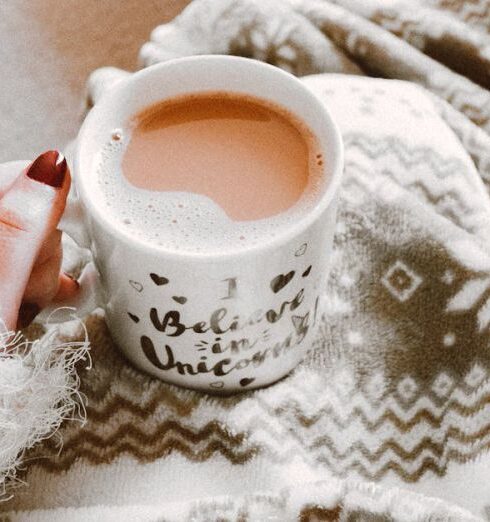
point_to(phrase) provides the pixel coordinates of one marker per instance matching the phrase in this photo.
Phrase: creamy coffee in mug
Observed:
(209, 171)
(210, 267)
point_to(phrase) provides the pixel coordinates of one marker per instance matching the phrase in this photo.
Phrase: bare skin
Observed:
(32, 200)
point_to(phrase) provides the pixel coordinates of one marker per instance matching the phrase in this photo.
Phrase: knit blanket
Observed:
(388, 417)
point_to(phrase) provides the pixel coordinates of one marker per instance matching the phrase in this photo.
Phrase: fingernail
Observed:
(27, 313)
(75, 282)
(49, 168)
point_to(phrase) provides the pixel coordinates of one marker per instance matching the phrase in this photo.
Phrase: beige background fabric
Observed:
(47, 50)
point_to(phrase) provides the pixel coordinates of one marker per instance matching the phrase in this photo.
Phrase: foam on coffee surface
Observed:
(189, 222)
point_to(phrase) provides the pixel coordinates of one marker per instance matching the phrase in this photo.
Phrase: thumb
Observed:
(29, 211)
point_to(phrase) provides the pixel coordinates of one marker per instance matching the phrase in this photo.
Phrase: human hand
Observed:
(31, 204)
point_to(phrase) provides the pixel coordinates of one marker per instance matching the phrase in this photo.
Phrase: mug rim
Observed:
(311, 215)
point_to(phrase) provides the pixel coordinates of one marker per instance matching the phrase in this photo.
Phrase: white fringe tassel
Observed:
(38, 391)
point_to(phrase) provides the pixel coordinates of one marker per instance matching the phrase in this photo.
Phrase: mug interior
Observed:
(199, 74)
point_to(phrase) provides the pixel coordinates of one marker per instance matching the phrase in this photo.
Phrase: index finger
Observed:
(29, 210)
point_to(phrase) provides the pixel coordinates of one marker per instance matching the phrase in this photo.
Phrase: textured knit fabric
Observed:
(388, 417)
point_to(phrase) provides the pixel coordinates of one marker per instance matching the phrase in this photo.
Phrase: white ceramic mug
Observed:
(215, 322)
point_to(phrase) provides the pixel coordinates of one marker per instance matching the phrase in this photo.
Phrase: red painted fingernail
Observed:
(27, 313)
(49, 168)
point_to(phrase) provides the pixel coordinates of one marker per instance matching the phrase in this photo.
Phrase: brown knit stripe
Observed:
(320, 514)
(438, 449)
(421, 416)
(132, 431)
(103, 454)
(145, 446)
(428, 464)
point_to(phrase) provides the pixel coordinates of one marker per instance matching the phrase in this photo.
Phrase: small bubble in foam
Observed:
(127, 221)
(117, 135)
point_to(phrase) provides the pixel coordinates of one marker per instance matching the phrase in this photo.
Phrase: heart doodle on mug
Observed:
(246, 381)
(280, 281)
(306, 273)
(137, 286)
(135, 318)
(158, 280)
(301, 323)
(217, 384)
(301, 250)
(179, 299)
